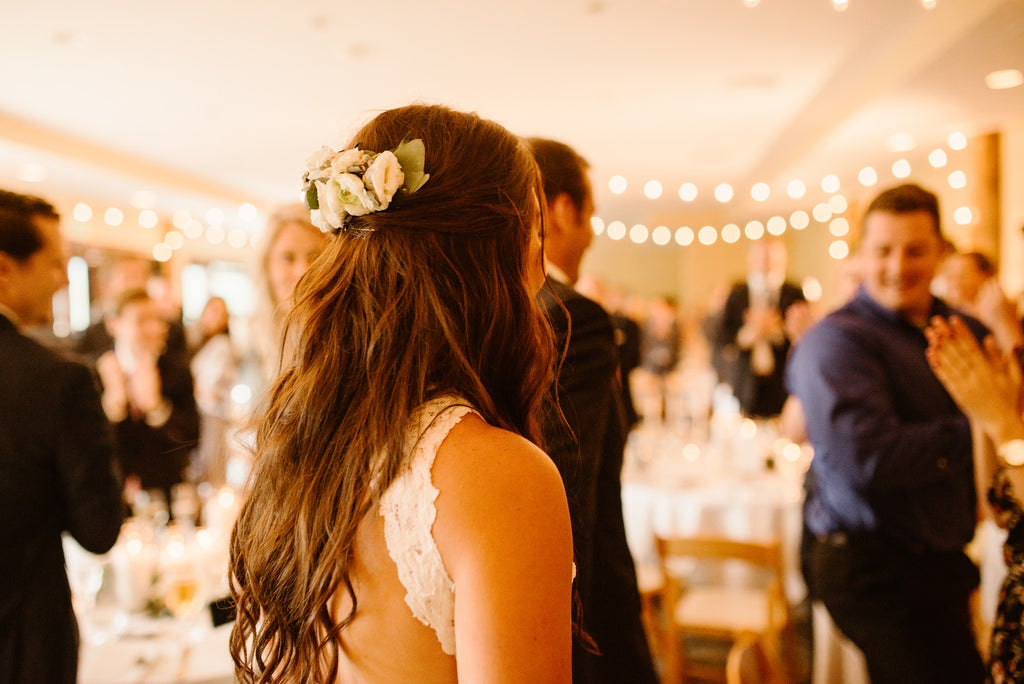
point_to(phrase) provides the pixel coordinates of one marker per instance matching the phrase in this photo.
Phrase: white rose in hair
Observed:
(317, 219)
(351, 195)
(384, 177)
(347, 159)
(318, 163)
(331, 211)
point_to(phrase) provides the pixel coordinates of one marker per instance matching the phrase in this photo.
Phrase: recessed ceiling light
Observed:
(901, 142)
(1004, 79)
(32, 173)
(143, 199)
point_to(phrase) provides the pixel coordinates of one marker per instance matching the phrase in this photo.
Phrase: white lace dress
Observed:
(408, 511)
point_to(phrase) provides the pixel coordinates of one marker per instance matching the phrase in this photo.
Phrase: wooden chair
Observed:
(754, 615)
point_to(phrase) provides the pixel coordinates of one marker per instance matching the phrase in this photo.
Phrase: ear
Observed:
(562, 213)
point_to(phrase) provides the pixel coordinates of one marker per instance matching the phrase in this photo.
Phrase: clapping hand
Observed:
(115, 387)
(144, 388)
(985, 383)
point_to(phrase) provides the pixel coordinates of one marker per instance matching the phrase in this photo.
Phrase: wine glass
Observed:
(184, 595)
(85, 575)
(182, 591)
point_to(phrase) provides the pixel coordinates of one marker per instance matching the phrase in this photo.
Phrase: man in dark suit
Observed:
(587, 445)
(753, 330)
(148, 395)
(57, 471)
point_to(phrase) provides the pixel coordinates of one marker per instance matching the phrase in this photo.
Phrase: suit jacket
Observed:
(158, 455)
(57, 473)
(588, 449)
(758, 395)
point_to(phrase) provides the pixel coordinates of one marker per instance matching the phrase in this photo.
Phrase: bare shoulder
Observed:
(479, 461)
(493, 483)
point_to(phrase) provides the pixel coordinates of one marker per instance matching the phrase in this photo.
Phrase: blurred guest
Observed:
(723, 357)
(988, 388)
(213, 369)
(660, 337)
(753, 329)
(292, 244)
(117, 277)
(972, 287)
(57, 470)
(587, 444)
(892, 504)
(963, 274)
(148, 395)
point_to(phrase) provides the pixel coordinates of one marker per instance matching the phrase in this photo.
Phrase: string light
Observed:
(148, 218)
(113, 216)
(82, 212)
(638, 233)
(652, 189)
(730, 233)
(616, 230)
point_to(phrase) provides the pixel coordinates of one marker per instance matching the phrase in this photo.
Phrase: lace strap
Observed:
(409, 513)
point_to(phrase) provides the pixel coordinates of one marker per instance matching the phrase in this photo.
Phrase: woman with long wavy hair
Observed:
(400, 524)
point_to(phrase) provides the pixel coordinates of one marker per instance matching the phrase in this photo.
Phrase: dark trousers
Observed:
(907, 609)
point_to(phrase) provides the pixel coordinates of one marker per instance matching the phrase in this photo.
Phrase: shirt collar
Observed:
(556, 273)
(938, 308)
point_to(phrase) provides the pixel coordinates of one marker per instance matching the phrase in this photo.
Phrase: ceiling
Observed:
(211, 103)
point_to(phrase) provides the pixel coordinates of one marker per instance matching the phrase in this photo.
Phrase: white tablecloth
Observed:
(152, 654)
(767, 506)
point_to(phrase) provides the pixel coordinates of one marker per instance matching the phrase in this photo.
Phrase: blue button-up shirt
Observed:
(892, 452)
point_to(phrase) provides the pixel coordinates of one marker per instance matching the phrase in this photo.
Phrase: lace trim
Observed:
(408, 511)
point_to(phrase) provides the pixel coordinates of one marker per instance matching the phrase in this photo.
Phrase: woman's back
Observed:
(428, 281)
(403, 551)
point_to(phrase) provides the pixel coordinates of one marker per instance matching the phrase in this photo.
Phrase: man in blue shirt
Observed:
(892, 503)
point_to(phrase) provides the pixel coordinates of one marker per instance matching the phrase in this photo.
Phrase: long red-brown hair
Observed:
(427, 297)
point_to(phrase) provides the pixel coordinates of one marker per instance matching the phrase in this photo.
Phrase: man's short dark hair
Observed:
(907, 198)
(19, 235)
(562, 169)
(129, 297)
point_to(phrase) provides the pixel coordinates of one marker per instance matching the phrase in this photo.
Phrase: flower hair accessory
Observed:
(355, 182)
